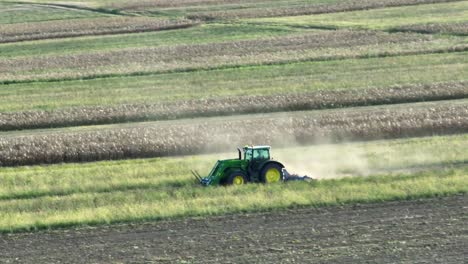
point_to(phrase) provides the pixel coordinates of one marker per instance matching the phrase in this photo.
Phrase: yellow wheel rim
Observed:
(238, 180)
(272, 175)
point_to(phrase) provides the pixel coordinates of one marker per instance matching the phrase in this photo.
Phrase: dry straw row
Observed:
(86, 27)
(93, 115)
(460, 28)
(231, 50)
(307, 9)
(208, 135)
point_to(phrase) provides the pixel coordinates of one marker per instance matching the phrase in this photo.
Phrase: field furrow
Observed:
(212, 134)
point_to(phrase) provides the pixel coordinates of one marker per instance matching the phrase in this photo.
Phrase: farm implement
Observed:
(255, 166)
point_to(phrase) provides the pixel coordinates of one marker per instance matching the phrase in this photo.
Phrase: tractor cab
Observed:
(256, 153)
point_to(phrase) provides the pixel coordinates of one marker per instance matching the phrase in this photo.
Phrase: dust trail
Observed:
(325, 161)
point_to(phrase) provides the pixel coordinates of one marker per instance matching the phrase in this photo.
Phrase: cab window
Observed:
(261, 154)
(248, 154)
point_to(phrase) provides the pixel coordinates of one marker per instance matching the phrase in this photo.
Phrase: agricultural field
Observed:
(107, 105)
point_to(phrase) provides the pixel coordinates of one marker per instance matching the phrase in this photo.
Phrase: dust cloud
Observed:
(325, 160)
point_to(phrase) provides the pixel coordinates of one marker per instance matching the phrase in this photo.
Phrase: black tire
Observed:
(235, 178)
(271, 173)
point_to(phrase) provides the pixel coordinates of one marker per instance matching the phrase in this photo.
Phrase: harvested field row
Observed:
(206, 33)
(15, 12)
(232, 105)
(378, 19)
(316, 40)
(300, 78)
(209, 135)
(327, 45)
(86, 27)
(144, 4)
(209, 10)
(459, 29)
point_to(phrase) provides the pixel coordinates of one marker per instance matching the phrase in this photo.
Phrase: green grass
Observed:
(297, 77)
(386, 18)
(211, 33)
(21, 13)
(136, 190)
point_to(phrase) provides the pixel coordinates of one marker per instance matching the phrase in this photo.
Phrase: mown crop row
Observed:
(460, 29)
(86, 27)
(187, 52)
(93, 115)
(209, 135)
(377, 19)
(327, 45)
(302, 9)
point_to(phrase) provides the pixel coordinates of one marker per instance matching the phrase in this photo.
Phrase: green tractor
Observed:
(256, 166)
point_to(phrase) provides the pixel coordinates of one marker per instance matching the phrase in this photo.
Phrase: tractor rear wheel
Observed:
(236, 178)
(272, 173)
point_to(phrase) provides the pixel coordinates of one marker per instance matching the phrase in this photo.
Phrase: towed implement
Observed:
(255, 166)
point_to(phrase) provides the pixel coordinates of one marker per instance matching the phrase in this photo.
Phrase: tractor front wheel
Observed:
(236, 178)
(272, 173)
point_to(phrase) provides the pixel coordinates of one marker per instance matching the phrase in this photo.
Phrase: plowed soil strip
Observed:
(432, 231)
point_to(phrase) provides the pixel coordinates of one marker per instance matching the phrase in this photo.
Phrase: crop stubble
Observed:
(209, 135)
(86, 27)
(460, 29)
(93, 115)
(307, 9)
(326, 45)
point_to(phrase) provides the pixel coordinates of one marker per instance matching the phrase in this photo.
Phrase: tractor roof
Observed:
(257, 147)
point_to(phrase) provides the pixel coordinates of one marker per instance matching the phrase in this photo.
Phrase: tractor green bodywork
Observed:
(254, 167)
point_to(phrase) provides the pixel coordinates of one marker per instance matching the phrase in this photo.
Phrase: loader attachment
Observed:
(197, 176)
(202, 180)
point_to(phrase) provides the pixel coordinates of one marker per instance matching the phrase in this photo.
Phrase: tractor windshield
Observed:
(257, 154)
(261, 154)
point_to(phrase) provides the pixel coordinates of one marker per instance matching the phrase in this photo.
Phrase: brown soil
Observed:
(422, 231)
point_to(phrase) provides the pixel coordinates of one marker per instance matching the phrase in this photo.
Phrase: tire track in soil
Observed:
(429, 231)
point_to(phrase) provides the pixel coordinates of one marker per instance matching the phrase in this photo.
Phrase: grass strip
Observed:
(146, 205)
